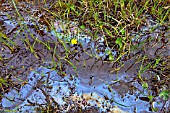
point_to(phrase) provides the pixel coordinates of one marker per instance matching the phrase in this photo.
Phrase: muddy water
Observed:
(97, 81)
(45, 84)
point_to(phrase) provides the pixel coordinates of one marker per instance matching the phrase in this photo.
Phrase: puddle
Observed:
(46, 87)
(45, 83)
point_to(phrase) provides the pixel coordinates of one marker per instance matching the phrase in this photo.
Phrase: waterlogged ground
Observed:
(44, 80)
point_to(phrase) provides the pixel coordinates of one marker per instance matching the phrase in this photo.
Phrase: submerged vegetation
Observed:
(118, 23)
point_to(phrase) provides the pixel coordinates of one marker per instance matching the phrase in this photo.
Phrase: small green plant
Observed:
(3, 82)
(165, 94)
(143, 68)
(145, 85)
(150, 98)
(119, 41)
(156, 62)
(111, 57)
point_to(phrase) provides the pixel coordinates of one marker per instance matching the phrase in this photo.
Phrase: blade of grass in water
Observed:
(74, 67)
(7, 42)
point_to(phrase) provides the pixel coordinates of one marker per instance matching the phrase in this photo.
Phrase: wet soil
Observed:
(117, 82)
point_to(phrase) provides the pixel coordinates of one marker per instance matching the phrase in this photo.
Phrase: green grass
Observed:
(109, 17)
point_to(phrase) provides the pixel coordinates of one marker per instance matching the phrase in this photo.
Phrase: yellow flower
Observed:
(73, 41)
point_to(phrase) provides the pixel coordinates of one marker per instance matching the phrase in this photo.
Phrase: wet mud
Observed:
(44, 80)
